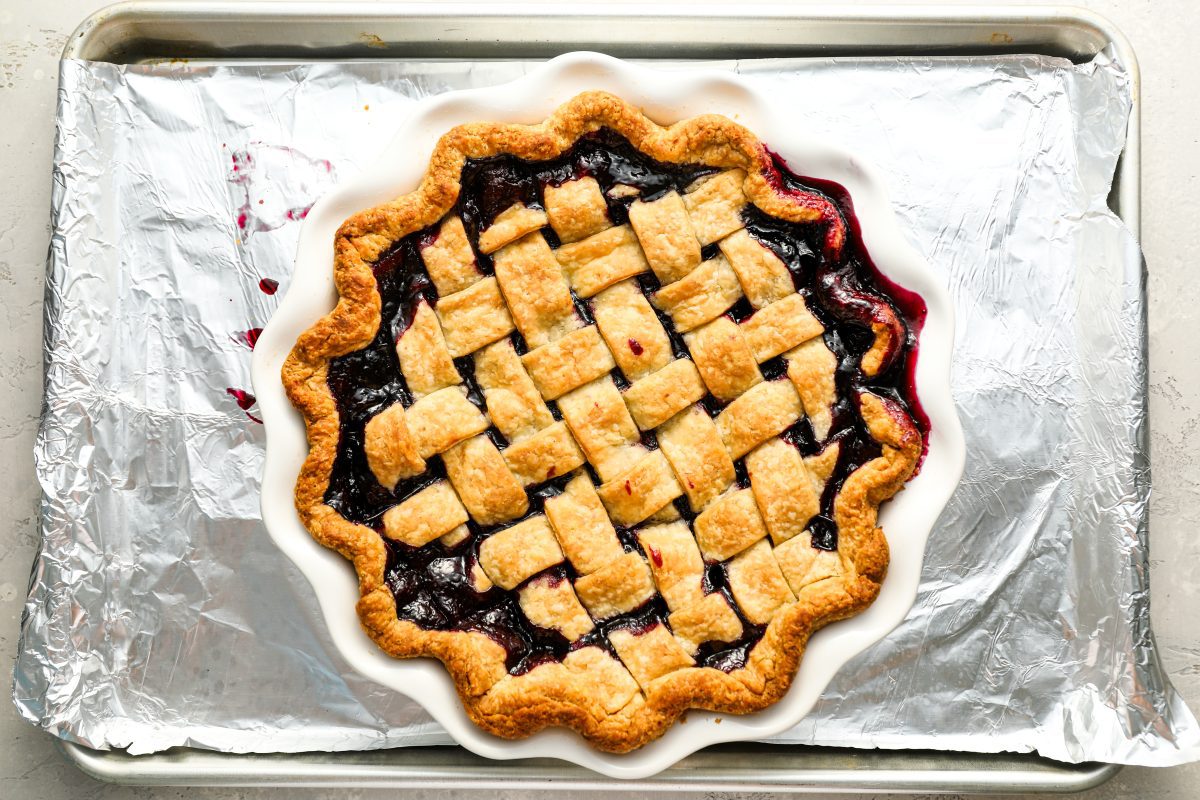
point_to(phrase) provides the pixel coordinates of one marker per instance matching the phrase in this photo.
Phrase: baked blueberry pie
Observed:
(604, 416)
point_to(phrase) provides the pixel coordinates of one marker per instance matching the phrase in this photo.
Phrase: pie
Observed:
(603, 419)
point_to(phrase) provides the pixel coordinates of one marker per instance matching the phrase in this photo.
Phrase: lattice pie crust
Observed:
(606, 364)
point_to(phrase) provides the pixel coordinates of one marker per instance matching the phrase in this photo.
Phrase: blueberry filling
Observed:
(433, 585)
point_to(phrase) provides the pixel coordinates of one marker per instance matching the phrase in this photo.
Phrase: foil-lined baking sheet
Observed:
(161, 614)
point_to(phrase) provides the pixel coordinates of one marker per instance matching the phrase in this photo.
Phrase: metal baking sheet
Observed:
(251, 31)
(737, 768)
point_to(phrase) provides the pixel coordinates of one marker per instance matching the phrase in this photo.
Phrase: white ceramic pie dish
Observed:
(665, 97)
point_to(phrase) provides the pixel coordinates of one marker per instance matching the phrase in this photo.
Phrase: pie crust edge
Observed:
(551, 694)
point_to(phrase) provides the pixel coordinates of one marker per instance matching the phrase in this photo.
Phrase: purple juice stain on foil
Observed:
(267, 180)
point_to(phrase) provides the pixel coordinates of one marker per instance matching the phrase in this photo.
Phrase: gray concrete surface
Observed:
(1163, 32)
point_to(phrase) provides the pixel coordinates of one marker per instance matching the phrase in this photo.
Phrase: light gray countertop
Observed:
(1163, 33)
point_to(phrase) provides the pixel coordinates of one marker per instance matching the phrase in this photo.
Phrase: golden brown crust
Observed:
(584, 692)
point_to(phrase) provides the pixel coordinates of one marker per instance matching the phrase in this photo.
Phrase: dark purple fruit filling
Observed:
(433, 584)
(526, 644)
(854, 290)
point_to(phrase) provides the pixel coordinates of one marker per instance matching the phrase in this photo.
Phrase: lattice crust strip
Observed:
(546, 376)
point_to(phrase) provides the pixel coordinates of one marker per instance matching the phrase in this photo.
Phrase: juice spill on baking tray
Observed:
(248, 337)
(275, 184)
(433, 584)
(245, 401)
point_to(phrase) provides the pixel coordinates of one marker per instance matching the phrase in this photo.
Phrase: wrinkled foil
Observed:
(160, 613)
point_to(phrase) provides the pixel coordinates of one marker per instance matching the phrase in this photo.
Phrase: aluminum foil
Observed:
(161, 614)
